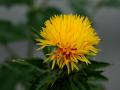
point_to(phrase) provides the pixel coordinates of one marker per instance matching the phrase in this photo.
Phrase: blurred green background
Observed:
(20, 18)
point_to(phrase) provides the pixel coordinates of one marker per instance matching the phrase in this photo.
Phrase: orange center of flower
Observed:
(65, 54)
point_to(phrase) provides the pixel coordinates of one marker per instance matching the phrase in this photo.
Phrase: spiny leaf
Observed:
(44, 81)
(96, 86)
(73, 86)
(28, 65)
(8, 79)
(97, 65)
(38, 62)
(96, 75)
(28, 70)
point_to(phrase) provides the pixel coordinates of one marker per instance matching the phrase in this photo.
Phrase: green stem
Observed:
(86, 85)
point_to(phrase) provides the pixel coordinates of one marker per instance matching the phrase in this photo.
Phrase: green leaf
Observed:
(36, 76)
(37, 62)
(78, 82)
(10, 32)
(28, 65)
(97, 65)
(96, 75)
(73, 86)
(43, 81)
(8, 79)
(29, 71)
(12, 2)
(96, 86)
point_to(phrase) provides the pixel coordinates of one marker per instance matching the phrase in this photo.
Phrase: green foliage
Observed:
(98, 65)
(10, 32)
(8, 79)
(37, 75)
(20, 71)
(95, 85)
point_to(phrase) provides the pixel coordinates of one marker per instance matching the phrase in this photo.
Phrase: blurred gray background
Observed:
(107, 24)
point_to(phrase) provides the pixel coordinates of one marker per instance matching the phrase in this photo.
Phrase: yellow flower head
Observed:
(73, 38)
